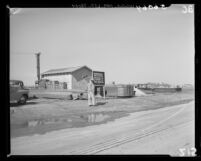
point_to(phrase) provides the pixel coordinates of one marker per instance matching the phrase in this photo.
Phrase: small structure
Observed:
(119, 90)
(68, 78)
(158, 87)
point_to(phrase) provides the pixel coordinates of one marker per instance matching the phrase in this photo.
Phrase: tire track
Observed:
(94, 149)
(110, 143)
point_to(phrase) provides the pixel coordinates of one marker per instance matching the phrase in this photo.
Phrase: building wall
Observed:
(61, 78)
(80, 78)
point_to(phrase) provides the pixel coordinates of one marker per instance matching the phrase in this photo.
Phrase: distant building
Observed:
(189, 86)
(73, 77)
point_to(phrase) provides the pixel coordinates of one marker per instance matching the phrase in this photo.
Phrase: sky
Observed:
(129, 45)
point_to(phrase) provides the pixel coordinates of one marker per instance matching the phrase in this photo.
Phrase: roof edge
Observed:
(46, 72)
(82, 67)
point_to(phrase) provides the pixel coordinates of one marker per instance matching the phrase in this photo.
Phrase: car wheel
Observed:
(23, 100)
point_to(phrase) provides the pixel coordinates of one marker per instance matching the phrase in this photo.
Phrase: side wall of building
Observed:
(61, 78)
(80, 78)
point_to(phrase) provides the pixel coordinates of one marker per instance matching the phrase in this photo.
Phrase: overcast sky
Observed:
(128, 45)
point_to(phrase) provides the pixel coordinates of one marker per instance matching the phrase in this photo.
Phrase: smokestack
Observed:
(38, 65)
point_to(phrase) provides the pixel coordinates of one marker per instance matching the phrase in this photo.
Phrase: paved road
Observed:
(161, 131)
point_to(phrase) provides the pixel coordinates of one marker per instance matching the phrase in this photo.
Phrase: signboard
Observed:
(99, 78)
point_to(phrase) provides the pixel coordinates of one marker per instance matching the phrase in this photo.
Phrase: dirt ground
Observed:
(165, 131)
(43, 115)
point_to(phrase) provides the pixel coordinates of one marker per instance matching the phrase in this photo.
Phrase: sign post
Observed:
(104, 92)
(99, 80)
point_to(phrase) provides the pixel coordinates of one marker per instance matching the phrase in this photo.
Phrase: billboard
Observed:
(99, 78)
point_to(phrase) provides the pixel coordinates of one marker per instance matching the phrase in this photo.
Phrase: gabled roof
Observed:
(64, 70)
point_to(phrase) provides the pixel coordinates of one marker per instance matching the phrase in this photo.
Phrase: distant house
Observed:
(74, 77)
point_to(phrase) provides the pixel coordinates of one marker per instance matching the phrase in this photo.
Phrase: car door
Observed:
(14, 92)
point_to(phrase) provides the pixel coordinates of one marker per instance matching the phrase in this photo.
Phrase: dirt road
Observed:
(160, 131)
(43, 115)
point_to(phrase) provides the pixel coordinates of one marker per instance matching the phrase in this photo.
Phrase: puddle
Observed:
(41, 126)
(34, 123)
(89, 118)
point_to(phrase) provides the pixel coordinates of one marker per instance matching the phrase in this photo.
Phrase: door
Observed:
(14, 94)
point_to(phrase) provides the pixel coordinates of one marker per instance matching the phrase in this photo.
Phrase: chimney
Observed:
(38, 64)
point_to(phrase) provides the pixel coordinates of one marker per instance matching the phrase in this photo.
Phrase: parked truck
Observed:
(18, 93)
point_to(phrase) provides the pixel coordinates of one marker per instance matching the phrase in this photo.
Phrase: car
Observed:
(18, 93)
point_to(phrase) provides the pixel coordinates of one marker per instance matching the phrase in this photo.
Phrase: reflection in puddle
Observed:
(34, 123)
(92, 118)
(43, 125)
(88, 118)
(97, 117)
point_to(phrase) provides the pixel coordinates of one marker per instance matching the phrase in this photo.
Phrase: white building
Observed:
(75, 77)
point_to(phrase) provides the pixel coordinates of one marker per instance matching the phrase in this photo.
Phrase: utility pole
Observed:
(38, 65)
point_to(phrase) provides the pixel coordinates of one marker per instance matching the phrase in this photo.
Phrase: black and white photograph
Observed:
(102, 80)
